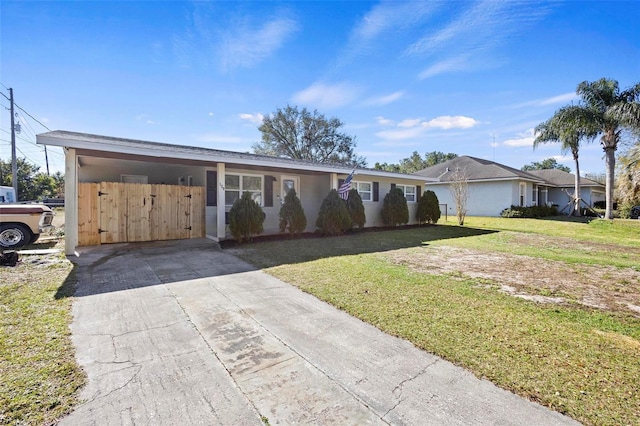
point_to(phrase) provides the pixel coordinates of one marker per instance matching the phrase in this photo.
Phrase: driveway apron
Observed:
(181, 332)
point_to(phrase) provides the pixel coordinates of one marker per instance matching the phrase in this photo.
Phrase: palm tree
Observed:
(568, 126)
(612, 111)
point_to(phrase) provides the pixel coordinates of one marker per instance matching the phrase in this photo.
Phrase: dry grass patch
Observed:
(40, 377)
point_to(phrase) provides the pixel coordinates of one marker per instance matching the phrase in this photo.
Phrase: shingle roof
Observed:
(561, 178)
(165, 150)
(475, 169)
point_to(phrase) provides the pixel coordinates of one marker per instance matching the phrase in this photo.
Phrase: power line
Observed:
(35, 119)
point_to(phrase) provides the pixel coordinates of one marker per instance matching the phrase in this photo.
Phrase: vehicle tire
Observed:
(34, 238)
(14, 236)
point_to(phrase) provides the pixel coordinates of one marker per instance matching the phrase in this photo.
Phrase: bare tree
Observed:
(459, 188)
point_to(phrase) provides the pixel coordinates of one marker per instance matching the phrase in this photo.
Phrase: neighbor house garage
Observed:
(124, 190)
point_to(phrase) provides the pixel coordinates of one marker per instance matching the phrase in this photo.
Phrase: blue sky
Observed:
(469, 77)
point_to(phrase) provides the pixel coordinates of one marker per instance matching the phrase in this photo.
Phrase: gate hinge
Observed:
(188, 227)
(100, 193)
(100, 231)
(187, 196)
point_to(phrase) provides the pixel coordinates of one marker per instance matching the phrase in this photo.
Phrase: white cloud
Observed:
(448, 65)
(563, 158)
(244, 47)
(525, 138)
(527, 141)
(256, 118)
(326, 96)
(383, 121)
(410, 122)
(211, 114)
(449, 122)
(553, 100)
(384, 100)
(401, 134)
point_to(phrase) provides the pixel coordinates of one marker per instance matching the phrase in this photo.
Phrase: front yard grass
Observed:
(39, 375)
(577, 360)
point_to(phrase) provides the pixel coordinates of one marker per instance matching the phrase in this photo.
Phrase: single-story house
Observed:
(123, 190)
(493, 186)
(561, 186)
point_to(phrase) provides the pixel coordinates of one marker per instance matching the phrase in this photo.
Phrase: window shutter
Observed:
(376, 191)
(340, 182)
(393, 186)
(268, 191)
(418, 193)
(212, 187)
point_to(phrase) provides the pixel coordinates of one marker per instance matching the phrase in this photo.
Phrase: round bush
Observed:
(334, 216)
(245, 218)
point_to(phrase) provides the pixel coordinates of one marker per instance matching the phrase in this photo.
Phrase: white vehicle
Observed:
(7, 194)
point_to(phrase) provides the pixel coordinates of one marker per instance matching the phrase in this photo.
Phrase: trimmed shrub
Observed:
(245, 218)
(428, 208)
(334, 216)
(394, 208)
(356, 209)
(292, 214)
(532, 212)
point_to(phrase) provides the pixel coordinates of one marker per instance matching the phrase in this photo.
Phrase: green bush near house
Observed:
(531, 212)
(292, 214)
(334, 218)
(245, 218)
(428, 208)
(394, 208)
(356, 209)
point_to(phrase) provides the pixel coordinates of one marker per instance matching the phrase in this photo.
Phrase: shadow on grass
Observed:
(279, 250)
(68, 287)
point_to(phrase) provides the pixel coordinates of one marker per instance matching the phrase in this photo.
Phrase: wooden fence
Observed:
(114, 212)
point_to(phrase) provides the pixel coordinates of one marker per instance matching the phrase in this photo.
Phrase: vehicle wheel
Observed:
(34, 238)
(14, 236)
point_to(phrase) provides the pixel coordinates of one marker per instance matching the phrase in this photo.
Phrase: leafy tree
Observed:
(546, 164)
(628, 185)
(568, 126)
(428, 208)
(415, 162)
(292, 214)
(459, 188)
(356, 209)
(32, 184)
(394, 208)
(333, 218)
(245, 218)
(611, 111)
(304, 135)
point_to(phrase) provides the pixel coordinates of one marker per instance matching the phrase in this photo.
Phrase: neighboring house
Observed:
(494, 187)
(561, 186)
(122, 190)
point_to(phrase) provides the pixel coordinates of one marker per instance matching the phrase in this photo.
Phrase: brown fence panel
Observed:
(114, 212)
(88, 214)
(197, 214)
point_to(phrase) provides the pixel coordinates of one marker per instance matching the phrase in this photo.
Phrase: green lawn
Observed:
(580, 361)
(39, 375)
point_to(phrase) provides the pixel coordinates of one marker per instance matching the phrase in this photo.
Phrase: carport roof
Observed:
(109, 144)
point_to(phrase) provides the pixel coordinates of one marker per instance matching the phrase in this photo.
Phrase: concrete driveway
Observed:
(181, 332)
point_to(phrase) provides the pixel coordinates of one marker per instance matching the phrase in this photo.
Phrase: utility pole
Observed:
(14, 164)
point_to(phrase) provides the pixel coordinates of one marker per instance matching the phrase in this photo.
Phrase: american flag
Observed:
(344, 189)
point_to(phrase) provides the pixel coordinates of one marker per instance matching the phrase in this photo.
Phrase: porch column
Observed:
(220, 209)
(333, 184)
(70, 201)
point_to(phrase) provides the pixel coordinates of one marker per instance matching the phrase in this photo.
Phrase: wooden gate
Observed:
(113, 212)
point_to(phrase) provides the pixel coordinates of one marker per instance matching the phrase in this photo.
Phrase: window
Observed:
(235, 185)
(364, 189)
(289, 183)
(409, 192)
